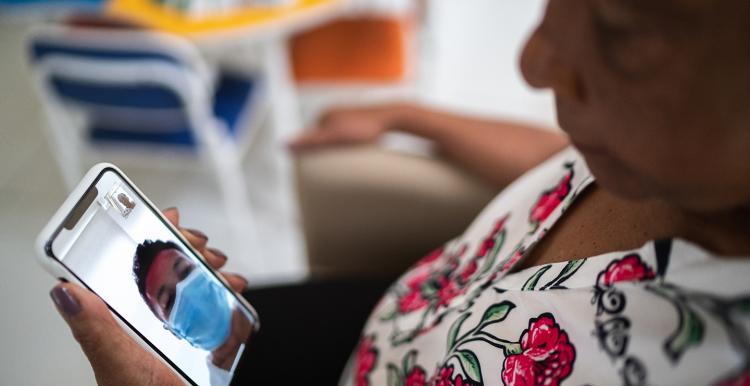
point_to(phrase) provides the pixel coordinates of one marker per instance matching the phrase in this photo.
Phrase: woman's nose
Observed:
(542, 67)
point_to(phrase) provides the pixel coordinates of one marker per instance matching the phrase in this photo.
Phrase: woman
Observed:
(627, 268)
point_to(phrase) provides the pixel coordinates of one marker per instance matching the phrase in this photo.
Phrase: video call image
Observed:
(125, 254)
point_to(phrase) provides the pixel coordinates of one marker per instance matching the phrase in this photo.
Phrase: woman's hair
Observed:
(144, 257)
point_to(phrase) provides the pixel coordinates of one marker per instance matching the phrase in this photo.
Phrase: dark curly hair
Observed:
(144, 257)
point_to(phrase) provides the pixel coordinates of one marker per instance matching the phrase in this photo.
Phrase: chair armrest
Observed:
(370, 212)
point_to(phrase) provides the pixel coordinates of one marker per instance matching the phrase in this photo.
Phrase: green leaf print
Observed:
(492, 255)
(532, 281)
(455, 327)
(394, 375)
(496, 313)
(569, 270)
(429, 289)
(470, 365)
(390, 311)
(409, 360)
(689, 333)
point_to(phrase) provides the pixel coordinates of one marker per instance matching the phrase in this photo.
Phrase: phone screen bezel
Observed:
(50, 253)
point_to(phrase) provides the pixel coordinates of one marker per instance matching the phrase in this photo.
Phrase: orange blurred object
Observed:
(358, 49)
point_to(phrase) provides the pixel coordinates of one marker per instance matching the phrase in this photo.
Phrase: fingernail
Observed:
(64, 301)
(218, 253)
(197, 233)
(171, 208)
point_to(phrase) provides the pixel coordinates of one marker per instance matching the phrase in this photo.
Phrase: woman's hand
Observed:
(350, 126)
(116, 358)
(214, 257)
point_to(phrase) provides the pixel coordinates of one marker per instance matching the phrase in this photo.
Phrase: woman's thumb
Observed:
(86, 314)
(115, 358)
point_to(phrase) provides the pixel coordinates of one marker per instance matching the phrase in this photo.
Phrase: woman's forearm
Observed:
(498, 151)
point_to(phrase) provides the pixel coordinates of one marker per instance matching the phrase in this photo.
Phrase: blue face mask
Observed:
(201, 313)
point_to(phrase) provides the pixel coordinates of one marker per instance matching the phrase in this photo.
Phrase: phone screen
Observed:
(116, 244)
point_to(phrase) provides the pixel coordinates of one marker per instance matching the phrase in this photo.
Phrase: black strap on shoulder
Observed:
(663, 248)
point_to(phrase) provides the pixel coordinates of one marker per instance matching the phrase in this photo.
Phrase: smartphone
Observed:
(108, 237)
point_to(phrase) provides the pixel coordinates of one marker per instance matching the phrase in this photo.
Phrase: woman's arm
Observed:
(498, 151)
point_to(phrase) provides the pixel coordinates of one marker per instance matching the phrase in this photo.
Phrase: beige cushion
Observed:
(371, 212)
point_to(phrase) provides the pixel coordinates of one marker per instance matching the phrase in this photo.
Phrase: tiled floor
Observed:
(36, 347)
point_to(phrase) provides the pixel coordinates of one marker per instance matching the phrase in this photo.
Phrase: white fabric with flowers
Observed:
(668, 313)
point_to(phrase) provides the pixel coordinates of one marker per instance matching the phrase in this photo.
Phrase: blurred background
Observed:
(196, 100)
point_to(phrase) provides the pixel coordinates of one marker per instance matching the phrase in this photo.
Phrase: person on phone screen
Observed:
(190, 303)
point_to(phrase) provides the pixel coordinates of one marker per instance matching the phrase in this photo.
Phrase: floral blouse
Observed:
(668, 313)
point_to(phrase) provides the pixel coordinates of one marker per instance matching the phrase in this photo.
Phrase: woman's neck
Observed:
(725, 233)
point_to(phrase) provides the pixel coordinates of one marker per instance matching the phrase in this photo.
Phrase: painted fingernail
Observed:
(218, 253)
(64, 301)
(197, 233)
(244, 286)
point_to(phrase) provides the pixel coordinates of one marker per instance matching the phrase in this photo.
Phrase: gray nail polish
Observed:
(64, 301)
(197, 233)
(218, 253)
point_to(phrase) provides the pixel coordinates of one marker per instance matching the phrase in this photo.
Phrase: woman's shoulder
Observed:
(458, 316)
(536, 200)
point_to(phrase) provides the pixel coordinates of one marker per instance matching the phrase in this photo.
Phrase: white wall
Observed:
(475, 45)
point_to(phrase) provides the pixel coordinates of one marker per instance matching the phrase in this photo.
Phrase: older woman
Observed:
(623, 260)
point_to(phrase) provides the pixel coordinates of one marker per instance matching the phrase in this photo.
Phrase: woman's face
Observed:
(654, 93)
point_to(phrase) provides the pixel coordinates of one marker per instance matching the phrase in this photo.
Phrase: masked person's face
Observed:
(202, 312)
(654, 93)
(192, 305)
(169, 268)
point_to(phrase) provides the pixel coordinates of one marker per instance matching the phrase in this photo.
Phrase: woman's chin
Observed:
(617, 179)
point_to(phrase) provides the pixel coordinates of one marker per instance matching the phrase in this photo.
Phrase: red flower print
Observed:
(443, 288)
(444, 378)
(367, 355)
(742, 379)
(550, 199)
(546, 356)
(468, 271)
(414, 300)
(411, 302)
(431, 257)
(416, 377)
(447, 291)
(629, 268)
(428, 286)
(513, 260)
(489, 242)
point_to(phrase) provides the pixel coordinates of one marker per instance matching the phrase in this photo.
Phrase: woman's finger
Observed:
(173, 215)
(237, 282)
(196, 238)
(215, 257)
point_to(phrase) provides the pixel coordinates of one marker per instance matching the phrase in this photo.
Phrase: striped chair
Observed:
(147, 94)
